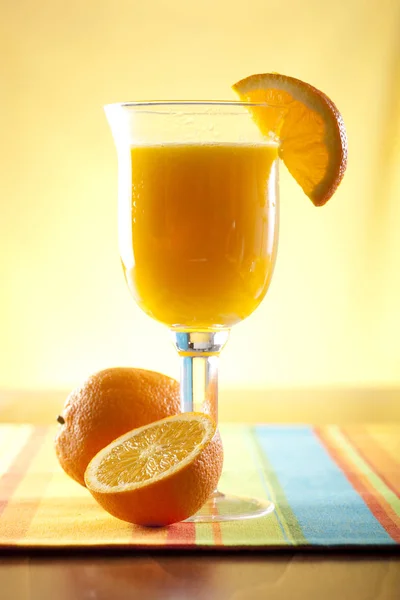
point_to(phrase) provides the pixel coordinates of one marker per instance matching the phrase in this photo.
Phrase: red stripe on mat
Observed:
(181, 534)
(216, 526)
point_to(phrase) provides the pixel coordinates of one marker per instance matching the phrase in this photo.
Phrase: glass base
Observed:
(226, 507)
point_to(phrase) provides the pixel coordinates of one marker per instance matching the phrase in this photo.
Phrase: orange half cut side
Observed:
(159, 473)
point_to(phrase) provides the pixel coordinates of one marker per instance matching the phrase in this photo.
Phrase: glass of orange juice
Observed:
(198, 232)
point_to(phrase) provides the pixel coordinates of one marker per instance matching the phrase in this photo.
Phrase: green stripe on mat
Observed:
(240, 453)
(287, 517)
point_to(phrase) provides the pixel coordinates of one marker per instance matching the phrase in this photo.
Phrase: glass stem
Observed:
(199, 352)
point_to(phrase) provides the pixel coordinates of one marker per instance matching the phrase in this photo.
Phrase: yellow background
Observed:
(331, 316)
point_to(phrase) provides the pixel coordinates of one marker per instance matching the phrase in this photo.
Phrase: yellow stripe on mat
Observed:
(12, 439)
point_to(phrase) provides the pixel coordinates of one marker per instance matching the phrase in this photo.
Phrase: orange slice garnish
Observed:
(311, 132)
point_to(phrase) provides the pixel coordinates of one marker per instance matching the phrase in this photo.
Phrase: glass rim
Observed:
(150, 103)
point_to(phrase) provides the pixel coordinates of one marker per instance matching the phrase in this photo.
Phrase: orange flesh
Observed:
(150, 453)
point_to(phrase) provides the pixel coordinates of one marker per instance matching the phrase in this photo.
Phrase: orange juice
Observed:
(200, 231)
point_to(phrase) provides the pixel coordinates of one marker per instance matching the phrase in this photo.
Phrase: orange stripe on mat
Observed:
(381, 462)
(217, 534)
(17, 470)
(381, 510)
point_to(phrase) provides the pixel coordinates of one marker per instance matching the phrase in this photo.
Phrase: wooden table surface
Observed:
(288, 575)
(196, 576)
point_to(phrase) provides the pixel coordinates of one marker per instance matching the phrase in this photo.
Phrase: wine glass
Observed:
(198, 228)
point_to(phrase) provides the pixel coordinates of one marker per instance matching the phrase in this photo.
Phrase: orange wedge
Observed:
(159, 473)
(311, 132)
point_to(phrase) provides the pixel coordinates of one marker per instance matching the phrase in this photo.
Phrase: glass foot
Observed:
(226, 507)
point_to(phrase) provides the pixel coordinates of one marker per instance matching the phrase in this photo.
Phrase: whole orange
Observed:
(107, 405)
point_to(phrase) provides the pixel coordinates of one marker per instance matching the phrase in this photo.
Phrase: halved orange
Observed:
(159, 473)
(311, 131)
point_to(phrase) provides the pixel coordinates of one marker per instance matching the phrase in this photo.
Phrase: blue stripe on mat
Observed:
(329, 510)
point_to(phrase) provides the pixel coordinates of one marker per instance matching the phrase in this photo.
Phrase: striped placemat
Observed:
(332, 486)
